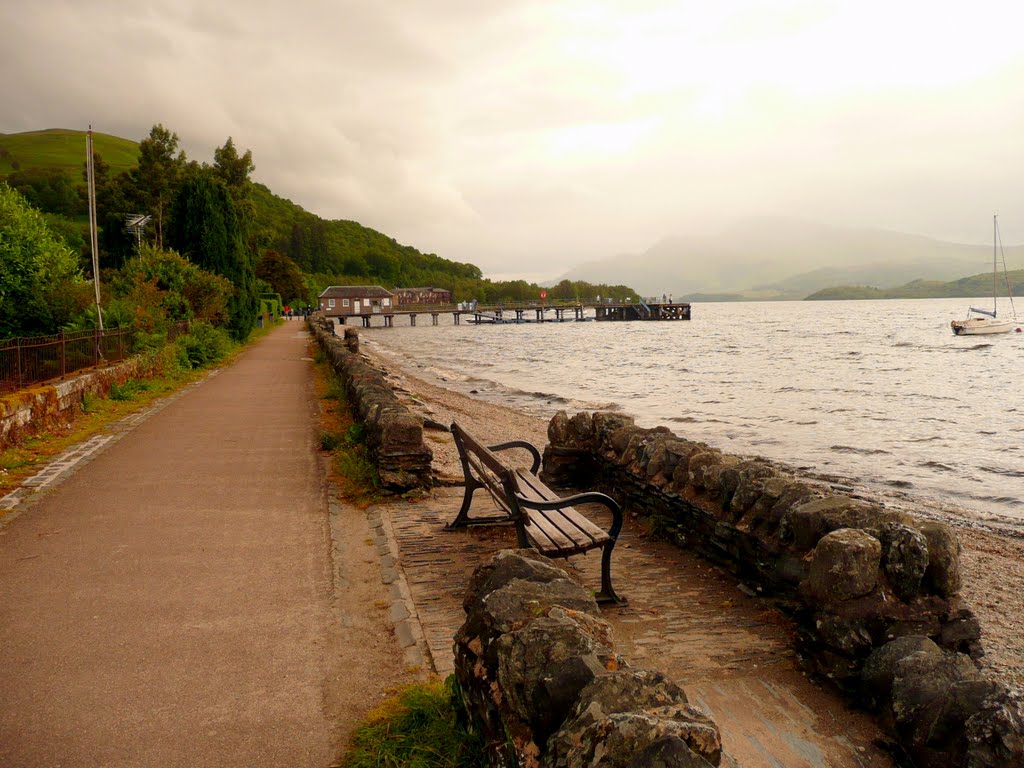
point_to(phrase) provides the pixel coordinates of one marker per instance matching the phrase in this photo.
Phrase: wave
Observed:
(858, 451)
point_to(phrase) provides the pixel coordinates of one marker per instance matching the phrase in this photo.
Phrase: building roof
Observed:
(422, 288)
(356, 292)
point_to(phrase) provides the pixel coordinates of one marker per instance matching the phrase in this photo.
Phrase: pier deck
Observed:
(526, 312)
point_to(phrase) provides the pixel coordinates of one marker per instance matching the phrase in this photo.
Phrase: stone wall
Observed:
(541, 681)
(40, 408)
(874, 591)
(394, 435)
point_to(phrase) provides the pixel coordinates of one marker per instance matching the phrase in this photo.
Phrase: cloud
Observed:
(529, 136)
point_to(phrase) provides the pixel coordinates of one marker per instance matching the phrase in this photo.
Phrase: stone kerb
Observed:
(542, 683)
(858, 578)
(394, 435)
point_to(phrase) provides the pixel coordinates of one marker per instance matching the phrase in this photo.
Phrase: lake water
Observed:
(879, 392)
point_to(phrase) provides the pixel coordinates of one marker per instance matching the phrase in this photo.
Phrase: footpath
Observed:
(172, 601)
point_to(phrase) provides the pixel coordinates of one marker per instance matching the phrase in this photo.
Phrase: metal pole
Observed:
(93, 240)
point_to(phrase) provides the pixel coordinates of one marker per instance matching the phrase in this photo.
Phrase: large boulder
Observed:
(509, 564)
(843, 565)
(880, 667)
(805, 524)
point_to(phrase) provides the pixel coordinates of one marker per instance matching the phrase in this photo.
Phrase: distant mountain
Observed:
(772, 258)
(966, 287)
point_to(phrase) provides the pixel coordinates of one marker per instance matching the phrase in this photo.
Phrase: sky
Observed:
(528, 137)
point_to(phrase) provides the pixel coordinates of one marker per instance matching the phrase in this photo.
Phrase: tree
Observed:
(40, 280)
(283, 276)
(205, 228)
(233, 170)
(158, 175)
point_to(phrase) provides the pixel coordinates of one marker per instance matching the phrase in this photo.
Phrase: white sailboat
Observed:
(982, 321)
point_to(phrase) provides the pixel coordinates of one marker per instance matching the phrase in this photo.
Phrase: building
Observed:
(423, 295)
(349, 300)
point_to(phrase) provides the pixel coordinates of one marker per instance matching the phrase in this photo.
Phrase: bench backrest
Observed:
(496, 476)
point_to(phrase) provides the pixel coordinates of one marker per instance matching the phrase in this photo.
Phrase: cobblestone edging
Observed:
(62, 466)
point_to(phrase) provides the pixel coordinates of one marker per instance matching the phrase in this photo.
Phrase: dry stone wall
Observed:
(36, 409)
(394, 435)
(875, 592)
(541, 681)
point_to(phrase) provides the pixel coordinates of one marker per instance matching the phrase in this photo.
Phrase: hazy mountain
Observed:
(782, 258)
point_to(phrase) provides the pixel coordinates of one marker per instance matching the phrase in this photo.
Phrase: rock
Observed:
(558, 429)
(842, 566)
(759, 517)
(542, 668)
(509, 564)
(904, 559)
(805, 524)
(920, 688)
(880, 667)
(995, 735)
(624, 739)
(943, 574)
(700, 463)
(605, 424)
(741, 494)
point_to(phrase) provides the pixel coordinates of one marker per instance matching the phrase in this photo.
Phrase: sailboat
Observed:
(983, 321)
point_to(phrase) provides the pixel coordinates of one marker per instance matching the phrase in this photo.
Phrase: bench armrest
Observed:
(520, 444)
(591, 497)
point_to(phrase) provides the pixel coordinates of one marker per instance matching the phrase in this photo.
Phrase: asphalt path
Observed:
(170, 603)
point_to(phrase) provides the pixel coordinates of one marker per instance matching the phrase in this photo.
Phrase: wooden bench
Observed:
(543, 520)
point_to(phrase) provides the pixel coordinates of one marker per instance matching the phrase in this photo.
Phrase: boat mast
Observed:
(995, 244)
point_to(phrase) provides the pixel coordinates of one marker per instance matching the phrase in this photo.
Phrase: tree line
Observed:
(217, 218)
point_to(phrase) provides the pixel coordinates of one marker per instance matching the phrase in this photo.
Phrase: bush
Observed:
(203, 345)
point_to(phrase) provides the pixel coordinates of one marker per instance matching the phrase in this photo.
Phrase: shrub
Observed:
(203, 345)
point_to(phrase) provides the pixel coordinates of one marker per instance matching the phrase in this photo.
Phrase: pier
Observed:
(506, 313)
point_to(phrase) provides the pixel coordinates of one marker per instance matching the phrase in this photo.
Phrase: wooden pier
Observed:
(527, 312)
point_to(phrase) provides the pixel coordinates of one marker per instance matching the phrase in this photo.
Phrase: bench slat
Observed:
(563, 530)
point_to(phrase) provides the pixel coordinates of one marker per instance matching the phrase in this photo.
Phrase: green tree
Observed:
(205, 228)
(232, 169)
(283, 276)
(158, 175)
(41, 284)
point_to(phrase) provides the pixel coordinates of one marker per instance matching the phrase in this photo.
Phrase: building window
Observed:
(385, 302)
(344, 302)
(330, 303)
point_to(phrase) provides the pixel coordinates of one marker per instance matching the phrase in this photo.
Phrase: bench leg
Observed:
(467, 500)
(607, 594)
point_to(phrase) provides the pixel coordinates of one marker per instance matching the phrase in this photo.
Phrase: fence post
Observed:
(20, 381)
(63, 356)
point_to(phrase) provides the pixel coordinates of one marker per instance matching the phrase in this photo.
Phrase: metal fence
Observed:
(29, 360)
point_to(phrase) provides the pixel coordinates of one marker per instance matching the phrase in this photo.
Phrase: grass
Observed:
(64, 149)
(342, 436)
(416, 728)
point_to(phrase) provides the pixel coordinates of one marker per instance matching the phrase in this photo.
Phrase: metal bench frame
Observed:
(543, 520)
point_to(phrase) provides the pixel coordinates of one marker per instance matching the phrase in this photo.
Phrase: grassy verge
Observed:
(416, 728)
(342, 436)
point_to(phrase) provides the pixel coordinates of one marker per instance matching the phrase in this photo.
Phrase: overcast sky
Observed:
(530, 136)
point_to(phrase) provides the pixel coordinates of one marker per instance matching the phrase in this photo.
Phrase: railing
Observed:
(29, 360)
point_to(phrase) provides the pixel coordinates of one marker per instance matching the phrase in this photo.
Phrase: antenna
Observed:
(136, 223)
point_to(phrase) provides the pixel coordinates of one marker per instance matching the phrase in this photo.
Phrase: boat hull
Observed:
(981, 326)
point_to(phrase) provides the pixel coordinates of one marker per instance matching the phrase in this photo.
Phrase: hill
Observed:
(49, 166)
(775, 258)
(966, 287)
(61, 149)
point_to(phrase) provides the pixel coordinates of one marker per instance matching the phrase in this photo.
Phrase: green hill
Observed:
(966, 287)
(61, 149)
(49, 164)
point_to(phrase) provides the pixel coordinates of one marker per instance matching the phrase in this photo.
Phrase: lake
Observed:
(879, 392)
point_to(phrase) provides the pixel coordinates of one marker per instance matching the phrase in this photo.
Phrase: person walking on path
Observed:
(173, 601)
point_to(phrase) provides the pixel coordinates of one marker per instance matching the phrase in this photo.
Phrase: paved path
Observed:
(731, 653)
(169, 604)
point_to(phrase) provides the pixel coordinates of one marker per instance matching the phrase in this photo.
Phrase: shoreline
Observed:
(992, 558)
